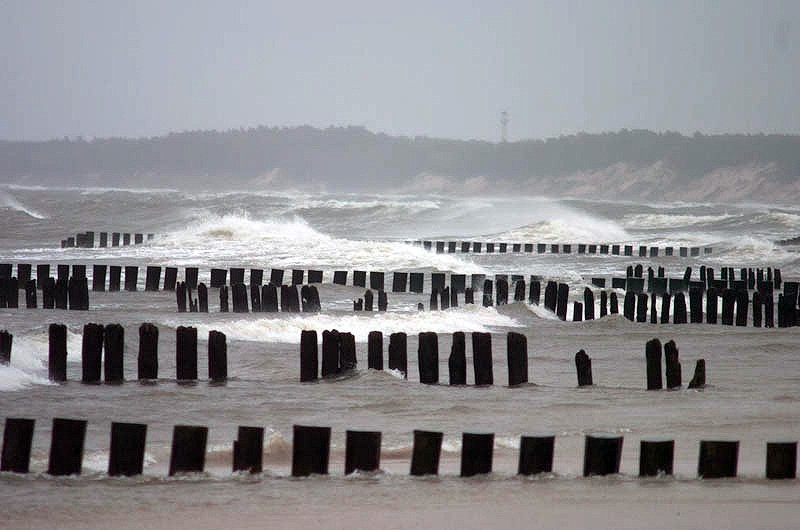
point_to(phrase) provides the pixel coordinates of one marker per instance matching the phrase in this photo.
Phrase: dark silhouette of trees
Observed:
(355, 158)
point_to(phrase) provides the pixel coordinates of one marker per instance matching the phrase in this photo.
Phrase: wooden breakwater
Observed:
(311, 446)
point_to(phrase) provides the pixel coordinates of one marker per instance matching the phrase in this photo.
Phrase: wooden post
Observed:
(583, 365)
(6, 342)
(57, 356)
(457, 362)
(310, 450)
(223, 299)
(66, 447)
(487, 293)
(98, 278)
(502, 292)
(248, 449)
(368, 300)
(653, 358)
(217, 356)
(742, 302)
(399, 282)
(186, 353)
(330, 352)
(577, 312)
(188, 449)
(482, 358)
(534, 292)
(347, 352)
(255, 298)
(289, 299)
(126, 457)
(426, 453)
(656, 456)
(679, 314)
(91, 353)
(297, 276)
(588, 303)
(781, 460)
(563, 294)
(613, 305)
(665, 302)
(602, 454)
(517, 357)
(152, 278)
(114, 345)
(17, 441)
(398, 353)
(170, 278)
(131, 277)
(536, 454)
(428, 358)
(699, 379)
(629, 305)
(476, 453)
(603, 304)
(673, 365)
(718, 458)
(362, 451)
(309, 356)
(641, 308)
(269, 298)
(114, 277)
(148, 351)
(375, 350)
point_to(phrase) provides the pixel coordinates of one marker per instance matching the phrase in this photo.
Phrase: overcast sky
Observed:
(435, 68)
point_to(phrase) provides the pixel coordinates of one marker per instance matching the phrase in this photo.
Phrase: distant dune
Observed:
(634, 165)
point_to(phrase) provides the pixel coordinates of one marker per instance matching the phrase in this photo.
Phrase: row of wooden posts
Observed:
(311, 451)
(262, 298)
(102, 353)
(339, 355)
(87, 239)
(752, 279)
(554, 248)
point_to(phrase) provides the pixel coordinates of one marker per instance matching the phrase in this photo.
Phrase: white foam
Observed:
(671, 221)
(289, 243)
(9, 201)
(555, 222)
(287, 329)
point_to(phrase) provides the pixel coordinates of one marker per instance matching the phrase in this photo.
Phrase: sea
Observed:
(753, 374)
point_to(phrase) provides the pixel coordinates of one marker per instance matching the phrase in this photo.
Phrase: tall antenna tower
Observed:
(504, 126)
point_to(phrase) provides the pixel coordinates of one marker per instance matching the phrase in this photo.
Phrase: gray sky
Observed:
(437, 68)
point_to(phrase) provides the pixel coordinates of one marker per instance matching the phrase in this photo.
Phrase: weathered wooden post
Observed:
(186, 353)
(114, 277)
(613, 305)
(217, 356)
(131, 277)
(641, 307)
(148, 352)
(656, 456)
(602, 454)
(202, 297)
(375, 350)
(444, 302)
(487, 293)
(502, 291)
(517, 358)
(536, 454)
(248, 449)
(428, 358)
(368, 300)
(583, 365)
(718, 458)
(362, 451)
(561, 306)
(469, 296)
(757, 310)
(426, 453)
(331, 345)
(188, 453)
(91, 353)
(476, 453)
(255, 297)
(152, 278)
(653, 358)
(699, 378)
(383, 301)
(398, 359)
(673, 365)
(577, 312)
(17, 441)
(170, 278)
(223, 299)
(482, 358)
(416, 281)
(114, 345)
(297, 276)
(742, 302)
(457, 362)
(240, 297)
(309, 356)
(66, 447)
(57, 356)
(679, 315)
(269, 298)
(347, 351)
(399, 282)
(310, 450)
(98, 278)
(665, 303)
(6, 342)
(126, 456)
(629, 305)
(290, 301)
(551, 296)
(534, 292)
(781, 460)
(588, 303)
(711, 305)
